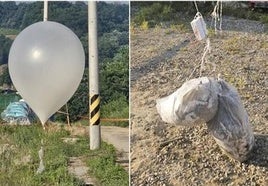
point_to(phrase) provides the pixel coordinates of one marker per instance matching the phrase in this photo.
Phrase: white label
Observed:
(199, 27)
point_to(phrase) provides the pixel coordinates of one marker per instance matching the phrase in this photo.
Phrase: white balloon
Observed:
(46, 65)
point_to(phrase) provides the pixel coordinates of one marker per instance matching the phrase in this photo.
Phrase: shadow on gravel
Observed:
(152, 64)
(259, 154)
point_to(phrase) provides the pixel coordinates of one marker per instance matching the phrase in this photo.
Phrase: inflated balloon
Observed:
(46, 65)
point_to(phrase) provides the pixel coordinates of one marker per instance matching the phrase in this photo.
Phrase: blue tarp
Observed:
(18, 113)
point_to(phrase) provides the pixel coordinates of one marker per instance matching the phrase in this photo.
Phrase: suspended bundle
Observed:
(215, 102)
(193, 103)
(230, 127)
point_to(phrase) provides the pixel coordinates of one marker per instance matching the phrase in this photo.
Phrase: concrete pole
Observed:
(45, 10)
(94, 101)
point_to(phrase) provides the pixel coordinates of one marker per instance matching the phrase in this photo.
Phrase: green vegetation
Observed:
(165, 13)
(231, 45)
(4, 49)
(150, 14)
(19, 160)
(104, 168)
(5, 99)
(8, 31)
(4, 77)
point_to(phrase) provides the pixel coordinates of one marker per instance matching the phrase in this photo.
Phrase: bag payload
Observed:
(230, 127)
(216, 103)
(18, 113)
(193, 103)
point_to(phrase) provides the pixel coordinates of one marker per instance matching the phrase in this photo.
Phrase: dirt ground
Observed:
(161, 61)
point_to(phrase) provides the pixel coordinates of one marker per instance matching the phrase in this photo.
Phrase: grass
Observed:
(19, 160)
(116, 109)
(102, 165)
(144, 25)
(232, 45)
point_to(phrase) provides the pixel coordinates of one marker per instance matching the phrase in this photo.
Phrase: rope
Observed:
(196, 7)
(108, 119)
(206, 50)
(221, 17)
(217, 15)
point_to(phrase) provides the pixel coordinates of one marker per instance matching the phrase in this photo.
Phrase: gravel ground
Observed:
(161, 61)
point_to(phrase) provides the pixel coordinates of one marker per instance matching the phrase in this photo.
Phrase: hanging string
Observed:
(206, 50)
(221, 17)
(217, 15)
(196, 7)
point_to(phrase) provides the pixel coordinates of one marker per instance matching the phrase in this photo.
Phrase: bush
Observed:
(116, 109)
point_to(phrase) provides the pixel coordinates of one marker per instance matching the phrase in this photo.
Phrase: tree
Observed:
(4, 49)
(5, 78)
(114, 77)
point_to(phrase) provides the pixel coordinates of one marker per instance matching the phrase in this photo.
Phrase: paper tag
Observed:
(199, 27)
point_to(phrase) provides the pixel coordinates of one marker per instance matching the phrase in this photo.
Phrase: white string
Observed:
(206, 50)
(217, 15)
(221, 17)
(214, 16)
(196, 6)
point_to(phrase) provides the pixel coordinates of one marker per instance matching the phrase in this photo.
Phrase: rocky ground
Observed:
(161, 61)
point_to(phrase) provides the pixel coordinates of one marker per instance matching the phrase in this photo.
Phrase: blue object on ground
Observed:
(18, 113)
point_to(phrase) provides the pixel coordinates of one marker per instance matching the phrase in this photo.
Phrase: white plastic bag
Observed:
(230, 127)
(193, 103)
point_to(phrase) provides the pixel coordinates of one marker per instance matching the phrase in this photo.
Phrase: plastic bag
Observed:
(230, 127)
(193, 103)
(18, 113)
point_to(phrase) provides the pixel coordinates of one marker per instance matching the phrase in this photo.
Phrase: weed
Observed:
(179, 27)
(144, 25)
(231, 45)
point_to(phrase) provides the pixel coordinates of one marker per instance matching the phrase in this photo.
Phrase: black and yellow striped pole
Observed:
(94, 109)
(94, 103)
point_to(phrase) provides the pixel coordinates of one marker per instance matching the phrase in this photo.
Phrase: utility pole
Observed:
(94, 97)
(45, 10)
